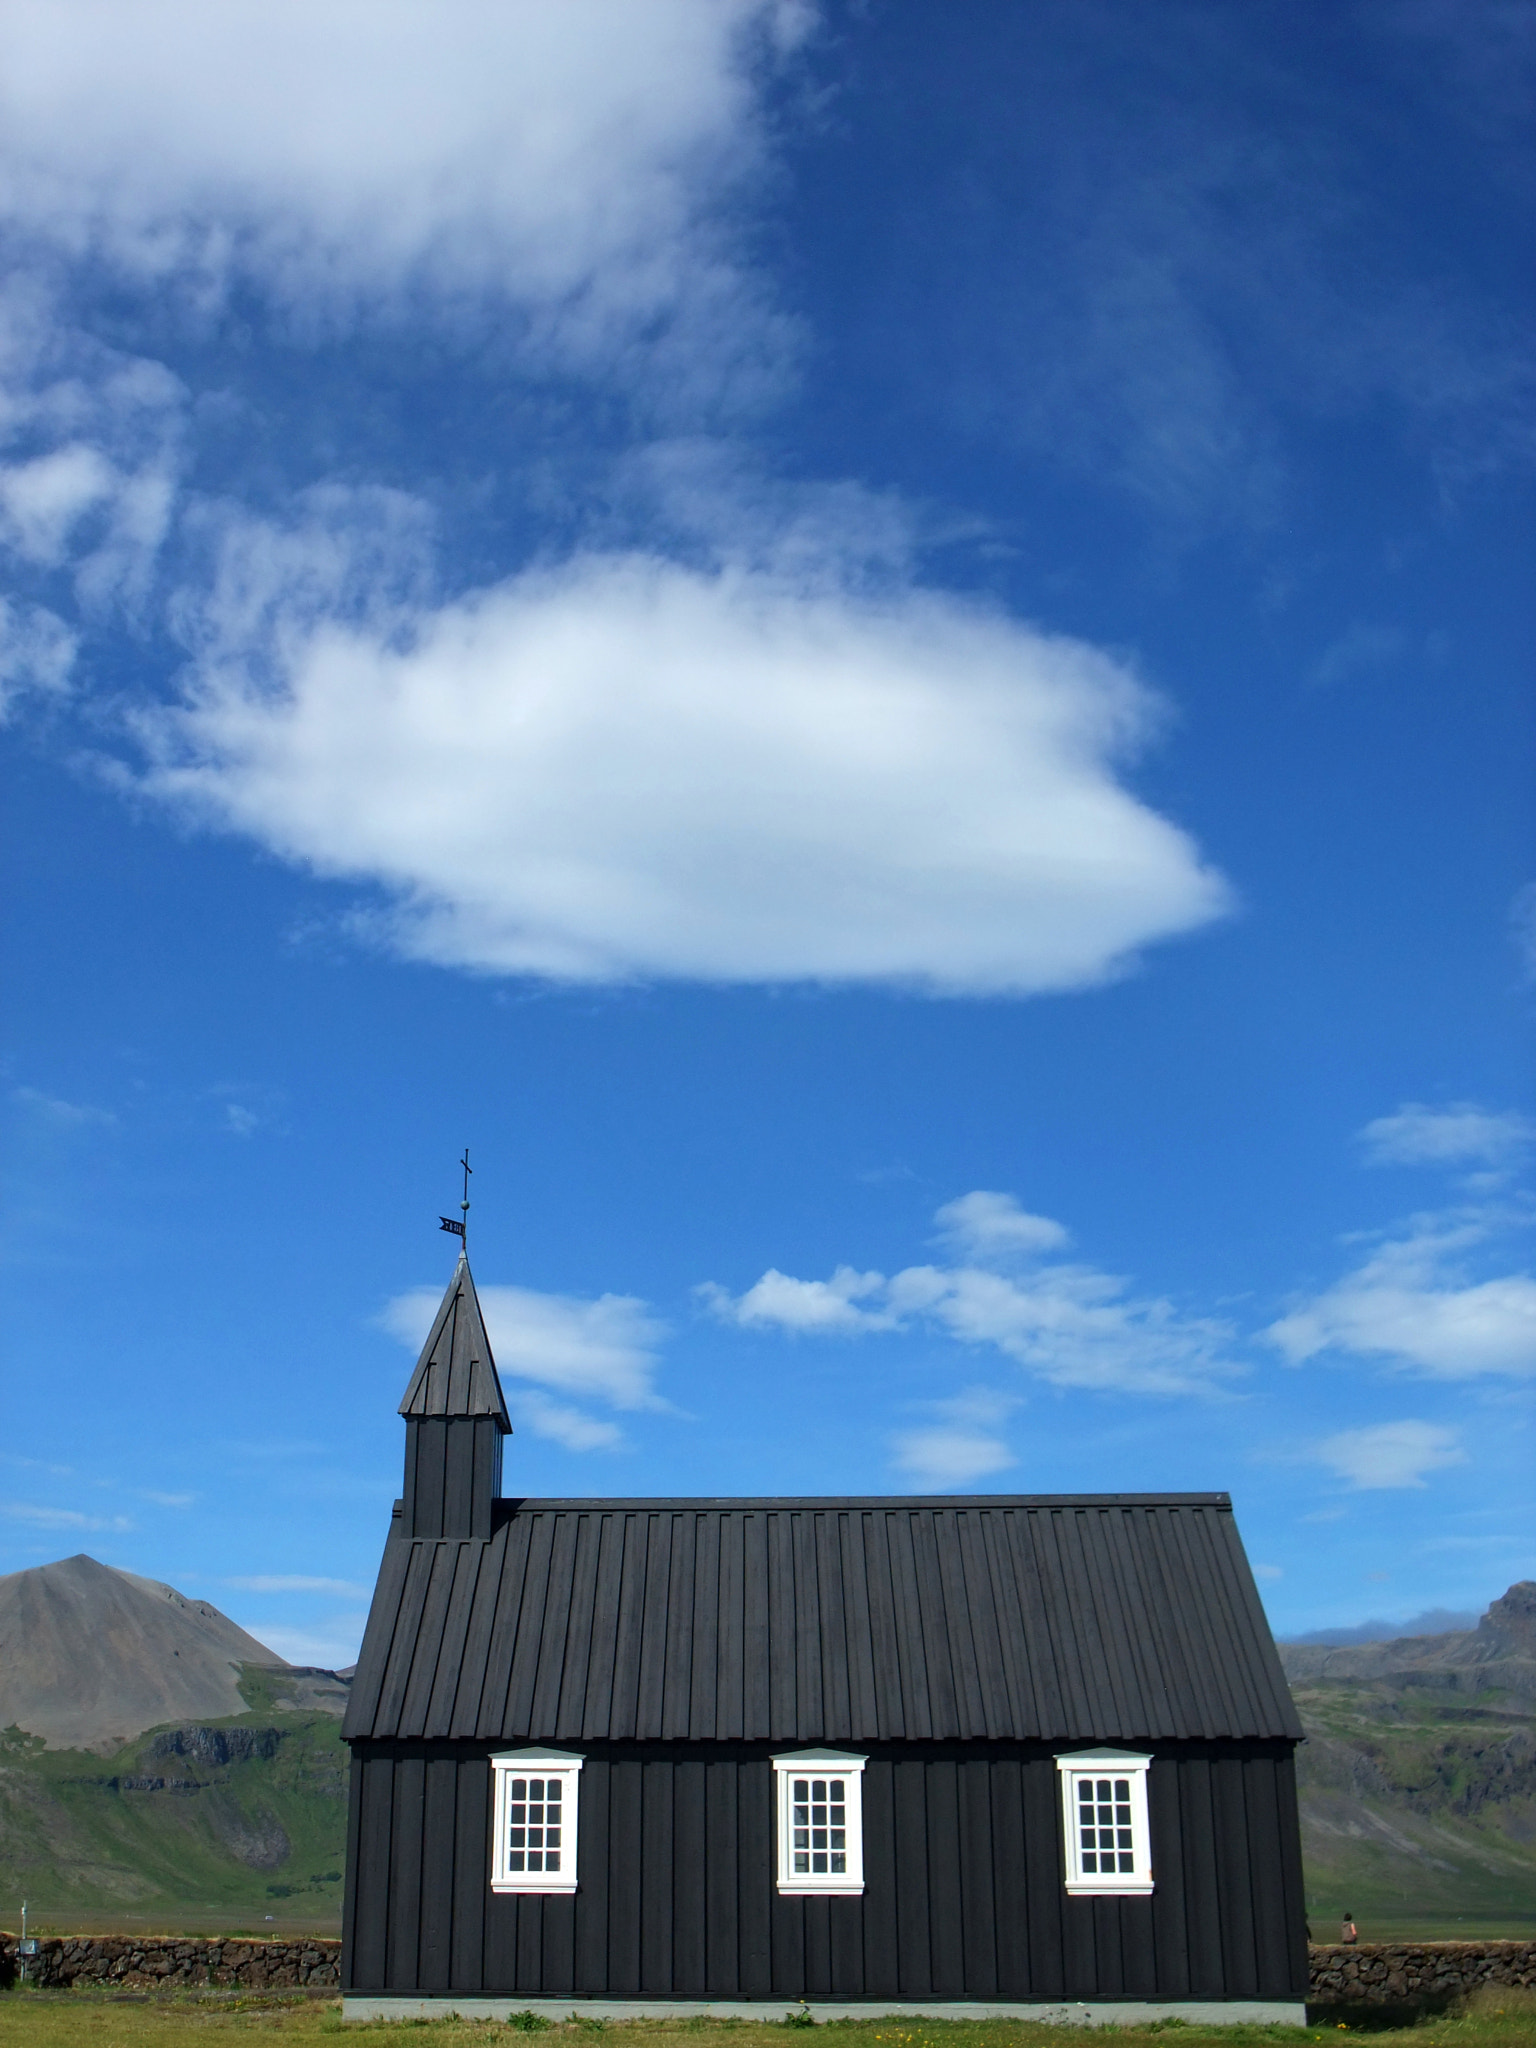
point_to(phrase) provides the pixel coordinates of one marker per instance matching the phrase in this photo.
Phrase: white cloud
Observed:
(627, 768)
(1268, 1571)
(565, 1425)
(37, 652)
(91, 442)
(1418, 1135)
(1413, 1302)
(1390, 1454)
(240, 1121)
(1073, 1326)
(987, 1225)
(603, 1349)
(55, 1110)
(331, 1645)
(60, 1518)
(299, 1582)
(812, 1306)
(1069, 1324)
(961, 1445)
(571, 159)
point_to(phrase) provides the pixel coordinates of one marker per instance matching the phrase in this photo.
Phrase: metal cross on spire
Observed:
(461, 1229)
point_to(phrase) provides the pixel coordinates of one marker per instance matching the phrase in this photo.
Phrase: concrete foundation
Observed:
(1253, 2012)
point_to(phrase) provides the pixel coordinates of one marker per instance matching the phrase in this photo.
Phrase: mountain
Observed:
(1418, 1776)
(91, 1655)
(159, 1766)
(1500, 1652)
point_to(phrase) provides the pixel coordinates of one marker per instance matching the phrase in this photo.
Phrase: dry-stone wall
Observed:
(164, 1962)
(1430, 1973)
(1417, 1973)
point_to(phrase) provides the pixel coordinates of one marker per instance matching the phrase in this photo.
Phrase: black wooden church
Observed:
(990, 1750)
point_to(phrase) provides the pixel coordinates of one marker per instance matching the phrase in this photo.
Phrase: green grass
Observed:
(75, 2020)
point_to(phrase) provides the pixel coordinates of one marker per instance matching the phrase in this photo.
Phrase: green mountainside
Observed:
(191, 1826)
(1418, 1779)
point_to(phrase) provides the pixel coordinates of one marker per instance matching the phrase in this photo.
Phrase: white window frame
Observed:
(513, 1764)
(825, 1763)
(1107, 1763)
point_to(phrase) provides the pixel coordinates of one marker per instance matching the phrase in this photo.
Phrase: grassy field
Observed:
(72, 2020)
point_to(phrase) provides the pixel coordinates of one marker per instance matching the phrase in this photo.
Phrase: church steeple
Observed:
(455, 1419)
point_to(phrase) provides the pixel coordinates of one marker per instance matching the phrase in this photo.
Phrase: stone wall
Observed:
(1419, 1974)
(165, 1962)
(1423, 1974)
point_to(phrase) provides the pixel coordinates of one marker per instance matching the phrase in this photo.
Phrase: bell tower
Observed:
(455, 1419)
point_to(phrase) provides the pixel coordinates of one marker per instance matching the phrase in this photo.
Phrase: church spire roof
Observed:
(456, 1373)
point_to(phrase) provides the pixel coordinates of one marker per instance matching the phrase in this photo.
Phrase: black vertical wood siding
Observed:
(964, 1895)
(452, 1479)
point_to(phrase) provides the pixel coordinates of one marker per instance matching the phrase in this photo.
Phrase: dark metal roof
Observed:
(1079, 1618)
(456, 1374)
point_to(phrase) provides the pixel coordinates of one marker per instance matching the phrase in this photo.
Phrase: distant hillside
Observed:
(1418, 1778)
(89, 1654)
(202, 1823)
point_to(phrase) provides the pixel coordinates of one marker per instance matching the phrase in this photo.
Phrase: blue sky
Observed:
(885, 653)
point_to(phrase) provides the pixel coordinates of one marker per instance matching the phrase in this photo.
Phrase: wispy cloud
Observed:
(37, 652)
(1068, 1323)
(987, 1225)
(38, 1517)
(486, 167)
(1391, 1454)
(331, 1644)
(562, 1424)
(961, 1444)
(1414, 1302)
(298, 1582)
(54, 1109)
(1459, 1134)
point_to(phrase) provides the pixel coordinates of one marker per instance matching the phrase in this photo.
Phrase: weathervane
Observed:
(461, 1230)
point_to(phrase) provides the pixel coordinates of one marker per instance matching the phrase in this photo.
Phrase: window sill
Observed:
(507, 1884)
(789, 1889)
(1139, 1888)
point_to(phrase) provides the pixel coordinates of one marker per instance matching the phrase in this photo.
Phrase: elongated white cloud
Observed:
(1462, 1133)
(298, 1582)
(814, 1307)
(603, 1350)
(627, 768)
(1391, 1454)
(569, 157)
(960, 1446)
(1413, 1302)
(987, 1225)
(1068, 1324)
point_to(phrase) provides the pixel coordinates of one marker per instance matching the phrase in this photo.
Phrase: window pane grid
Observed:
(818, 1818)
(1105, 1831)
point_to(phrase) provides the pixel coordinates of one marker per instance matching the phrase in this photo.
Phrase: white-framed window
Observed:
(820, 1824)
(1104, 1812)
(533, 1828)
